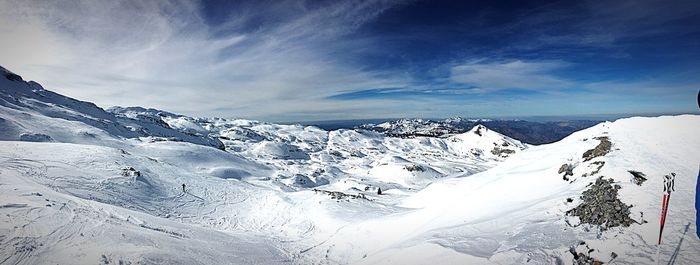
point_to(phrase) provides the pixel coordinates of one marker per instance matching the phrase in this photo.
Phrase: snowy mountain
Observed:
(29, 112)
(83, 185)
(525, 131)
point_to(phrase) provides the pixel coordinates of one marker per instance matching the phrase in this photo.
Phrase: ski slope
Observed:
(83, 185)
(514, 212)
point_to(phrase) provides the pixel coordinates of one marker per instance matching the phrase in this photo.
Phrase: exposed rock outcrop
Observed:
(337, 195)
(130, 171)
(638, 177)
(602, 207)
(601, 149)
(568, 170)
(412, 168)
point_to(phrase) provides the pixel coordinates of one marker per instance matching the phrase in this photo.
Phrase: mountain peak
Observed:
(484, 141)
(479, 130)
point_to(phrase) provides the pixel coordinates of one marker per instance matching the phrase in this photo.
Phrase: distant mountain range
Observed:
(526, 131)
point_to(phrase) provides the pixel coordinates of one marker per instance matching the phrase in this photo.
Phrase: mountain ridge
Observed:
(525, 131)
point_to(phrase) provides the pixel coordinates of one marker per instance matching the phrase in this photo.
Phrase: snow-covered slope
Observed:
(31, 113)
(80, 185)
(65, 222)
(306, 157)
(515, 213)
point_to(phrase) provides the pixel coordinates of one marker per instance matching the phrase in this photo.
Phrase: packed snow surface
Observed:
(81, 185)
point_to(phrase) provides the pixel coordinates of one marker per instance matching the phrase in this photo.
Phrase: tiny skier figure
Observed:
(379, 191)
(183, 187)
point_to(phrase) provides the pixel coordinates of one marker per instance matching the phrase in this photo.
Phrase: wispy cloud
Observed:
(165, 54)
(514, 74)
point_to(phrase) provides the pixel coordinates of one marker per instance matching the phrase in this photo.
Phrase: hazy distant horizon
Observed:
(553, 118)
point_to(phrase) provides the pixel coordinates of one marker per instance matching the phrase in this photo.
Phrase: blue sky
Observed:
(331, 60)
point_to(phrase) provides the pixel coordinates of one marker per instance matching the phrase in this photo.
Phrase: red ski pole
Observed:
(668, 188)
(664, 210)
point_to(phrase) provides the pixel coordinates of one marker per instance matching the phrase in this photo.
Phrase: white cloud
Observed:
(515, 74)
(163, 54)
